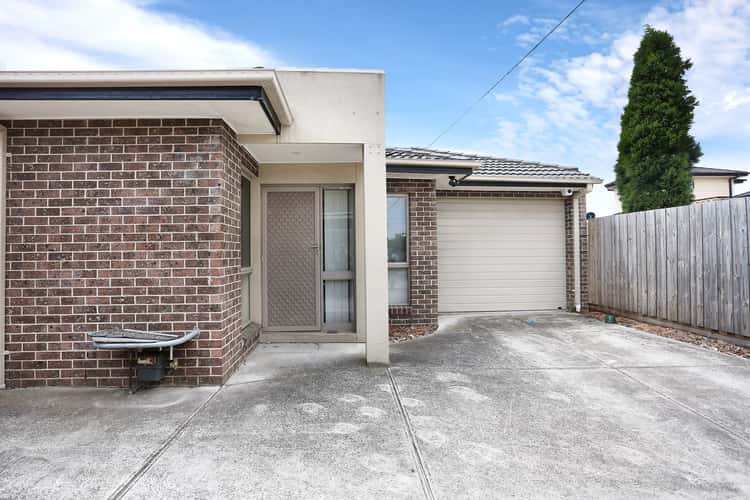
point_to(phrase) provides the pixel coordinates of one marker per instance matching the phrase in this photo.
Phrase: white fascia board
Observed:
(435, 163)
(261, 77)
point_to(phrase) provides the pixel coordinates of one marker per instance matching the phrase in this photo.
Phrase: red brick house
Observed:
(260, 205)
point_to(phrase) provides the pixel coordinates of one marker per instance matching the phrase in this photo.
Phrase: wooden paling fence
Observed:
(687, 265)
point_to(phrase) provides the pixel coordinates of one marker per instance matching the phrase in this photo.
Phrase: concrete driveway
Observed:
(491, 406)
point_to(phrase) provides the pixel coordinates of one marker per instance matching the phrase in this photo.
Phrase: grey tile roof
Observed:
(491, 165)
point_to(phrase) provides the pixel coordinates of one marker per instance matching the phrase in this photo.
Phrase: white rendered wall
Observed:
(334, 107)
(710, 187)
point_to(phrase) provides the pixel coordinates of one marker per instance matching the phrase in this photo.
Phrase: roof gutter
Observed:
(423, 169)
(434, 163)
(526, 184)
(530, 179)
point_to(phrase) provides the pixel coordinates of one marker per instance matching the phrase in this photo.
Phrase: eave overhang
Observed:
(720, 174)
(250, 101)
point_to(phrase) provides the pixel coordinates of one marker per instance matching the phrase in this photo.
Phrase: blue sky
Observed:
(562, 106)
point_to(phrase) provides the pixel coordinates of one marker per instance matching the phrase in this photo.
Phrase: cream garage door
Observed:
(501, 254)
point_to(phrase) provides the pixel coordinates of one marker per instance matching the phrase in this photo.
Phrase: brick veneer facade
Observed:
(131, 223)
(421, 312)
(423, 280)
(584, 253)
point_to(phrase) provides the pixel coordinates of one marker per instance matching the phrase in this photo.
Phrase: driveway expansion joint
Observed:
(424, 477)
(685, 407)
(123, 489)
(598, 367)
(663, 395)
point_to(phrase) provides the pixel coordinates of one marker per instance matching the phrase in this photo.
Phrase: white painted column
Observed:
(3, 189)
(375, 253)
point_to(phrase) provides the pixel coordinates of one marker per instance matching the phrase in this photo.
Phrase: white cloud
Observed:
(503, 97)
(536, 28)
(114, 34)
(517, 19)
(581, 98)
(715, 35)
(736, 98)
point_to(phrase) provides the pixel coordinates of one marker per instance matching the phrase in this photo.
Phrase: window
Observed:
(338, 258)
(398, 249)
(246, 269)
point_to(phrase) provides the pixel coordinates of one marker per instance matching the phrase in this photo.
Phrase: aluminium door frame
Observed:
(351, 275)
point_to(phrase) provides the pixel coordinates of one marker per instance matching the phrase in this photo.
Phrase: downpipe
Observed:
(576, 252)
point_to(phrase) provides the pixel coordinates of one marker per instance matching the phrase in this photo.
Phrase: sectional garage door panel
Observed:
(501, 254)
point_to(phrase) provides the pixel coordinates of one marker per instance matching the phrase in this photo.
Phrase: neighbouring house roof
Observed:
(491, 166)
(702, 172)
(743, 195)
(717, 172)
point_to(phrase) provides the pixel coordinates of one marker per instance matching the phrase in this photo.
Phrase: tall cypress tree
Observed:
(656, 151)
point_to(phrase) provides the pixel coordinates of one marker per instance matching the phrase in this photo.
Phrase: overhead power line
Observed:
(505, 75)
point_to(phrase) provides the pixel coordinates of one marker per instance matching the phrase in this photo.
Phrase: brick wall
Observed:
(421, 312)
(423, 279)
(130, 223)
(569, 254)
(236, 346)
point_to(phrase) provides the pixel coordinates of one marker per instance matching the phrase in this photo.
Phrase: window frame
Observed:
(330, 276)
(246, 272)
(406, 263)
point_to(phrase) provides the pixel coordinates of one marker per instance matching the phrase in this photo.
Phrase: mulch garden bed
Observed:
(681, 335)
(403, 333)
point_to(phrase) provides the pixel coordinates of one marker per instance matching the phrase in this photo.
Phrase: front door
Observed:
(292, 259)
